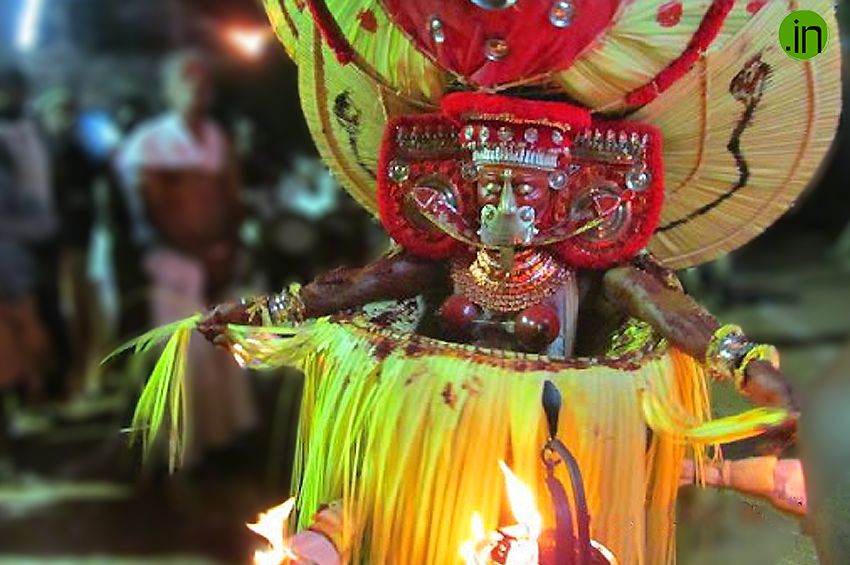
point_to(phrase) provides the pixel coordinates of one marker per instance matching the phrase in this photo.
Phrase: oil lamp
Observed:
(305, 547)
(527, 542)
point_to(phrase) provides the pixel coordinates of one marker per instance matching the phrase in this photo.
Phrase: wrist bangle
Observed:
(286, 307)
(728, 346)
(277, 304)
(762, 352)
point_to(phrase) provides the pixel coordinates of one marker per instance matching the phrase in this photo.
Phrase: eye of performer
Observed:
(524, 189)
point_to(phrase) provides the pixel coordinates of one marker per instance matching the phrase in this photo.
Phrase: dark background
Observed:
(140, 31)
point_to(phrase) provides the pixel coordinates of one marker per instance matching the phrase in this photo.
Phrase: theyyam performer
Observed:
(543, 167)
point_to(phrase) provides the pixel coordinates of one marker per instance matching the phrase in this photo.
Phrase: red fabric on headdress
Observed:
(463, 106)
(391, 195)
(646, 208)
(711, 25)
(330, 31)
(535, 45)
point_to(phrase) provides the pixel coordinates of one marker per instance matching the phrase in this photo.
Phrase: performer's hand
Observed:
(777, 440)
(764, 385)
(213, 325)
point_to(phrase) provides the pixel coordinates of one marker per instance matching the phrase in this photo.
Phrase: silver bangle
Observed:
(278, 306)
(728, 347)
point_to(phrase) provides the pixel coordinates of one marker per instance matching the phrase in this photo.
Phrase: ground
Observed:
(47, 518)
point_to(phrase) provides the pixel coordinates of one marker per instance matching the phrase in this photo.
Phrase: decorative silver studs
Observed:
(561, 14)
(526, 214)
(484, 134)
(496, 49)
(638, 180)
(437, 29)
(398, 172)
(494, 4)
(557, 180)
(488, 213)
(469, 171)
(531, 135)
(557, 137)
(618, 146)
(505, 134)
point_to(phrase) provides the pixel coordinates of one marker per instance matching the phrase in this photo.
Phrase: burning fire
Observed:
(511, 545)
(272, 526)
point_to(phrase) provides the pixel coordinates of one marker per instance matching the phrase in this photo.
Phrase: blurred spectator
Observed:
(75, 173)
(26, 219)
(310, 190)
(181, 174)
(131, 112)
(128, 242)
(310, 226)
(259, 161)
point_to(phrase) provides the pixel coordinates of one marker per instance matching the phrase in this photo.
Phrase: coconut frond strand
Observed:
(163, 397)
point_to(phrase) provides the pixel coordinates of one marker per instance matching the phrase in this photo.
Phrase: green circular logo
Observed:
(803, 35)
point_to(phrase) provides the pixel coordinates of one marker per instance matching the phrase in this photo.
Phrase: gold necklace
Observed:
(534, 276)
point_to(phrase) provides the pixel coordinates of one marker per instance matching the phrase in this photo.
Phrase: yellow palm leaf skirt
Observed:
(407, 432)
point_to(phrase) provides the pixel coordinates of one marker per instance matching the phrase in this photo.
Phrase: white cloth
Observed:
(100, 271)
(165, 143)
(218, 391)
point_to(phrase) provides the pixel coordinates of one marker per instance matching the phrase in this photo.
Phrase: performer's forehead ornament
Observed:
(494, 120)
(604, 179)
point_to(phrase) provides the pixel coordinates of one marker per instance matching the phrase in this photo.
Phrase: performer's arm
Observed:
(395, 276)
(644, 294)
(780, 481)
(322, 543)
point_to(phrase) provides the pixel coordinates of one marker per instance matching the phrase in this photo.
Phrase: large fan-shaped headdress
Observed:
(744, 126)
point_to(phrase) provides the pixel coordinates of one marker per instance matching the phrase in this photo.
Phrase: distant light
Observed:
(28, 24)
(250, 42)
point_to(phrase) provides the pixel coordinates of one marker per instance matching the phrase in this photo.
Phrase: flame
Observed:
(524, 534)
(478, 532)
(522, 502)
(272, 526)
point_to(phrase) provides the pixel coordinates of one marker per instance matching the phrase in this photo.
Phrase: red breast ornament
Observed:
(500, 42)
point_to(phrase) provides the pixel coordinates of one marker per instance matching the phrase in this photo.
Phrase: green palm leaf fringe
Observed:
(163, 397)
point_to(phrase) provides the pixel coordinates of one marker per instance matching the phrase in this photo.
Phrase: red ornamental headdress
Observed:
(708, 79)
(606, 177)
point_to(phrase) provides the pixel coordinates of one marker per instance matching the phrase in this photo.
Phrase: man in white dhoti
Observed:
(183, 184)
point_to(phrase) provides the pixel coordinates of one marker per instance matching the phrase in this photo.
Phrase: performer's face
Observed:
(530, 186)
(511, 200)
